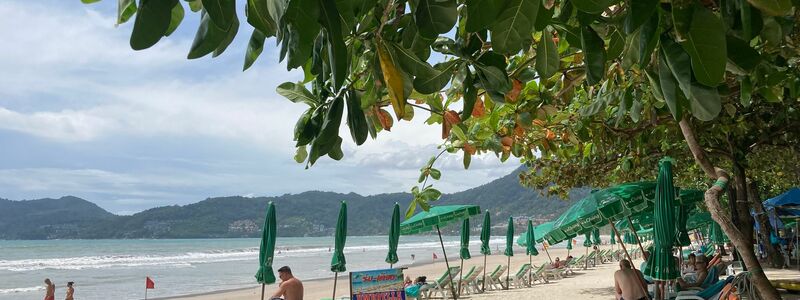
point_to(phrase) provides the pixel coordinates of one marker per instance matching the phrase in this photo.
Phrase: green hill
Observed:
(310, 213)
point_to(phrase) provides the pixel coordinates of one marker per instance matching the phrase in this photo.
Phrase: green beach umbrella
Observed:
(464, 253)
(530, 236)
(486, 231)
(596, 237)
(338, 261)
(569, 244)
(698, 220)
(394, 236)
(718, 237)
(266, 252)
(613, 240)
(587, 239)
(509, 251)
(681, 234)
(660, 264)
(436, 217)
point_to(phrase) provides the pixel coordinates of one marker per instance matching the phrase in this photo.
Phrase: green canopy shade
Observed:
(638, 196)
(569, 244)
(338, 261)
(464, 253)
(613, 240)
(660, 264)
(689, 197)
(681, 234)
(698, 220)
(394, 236)
(580, 217)
(510, 238)
(718, 236)
(437, 216)
(587, 241)
(639, 220)
(486, 231)
(539, 233)
(596, 237)
(530, 245)
(266, 252)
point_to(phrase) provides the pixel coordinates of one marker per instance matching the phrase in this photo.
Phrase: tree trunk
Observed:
(773, 256)
(712, 196)
(745, 220)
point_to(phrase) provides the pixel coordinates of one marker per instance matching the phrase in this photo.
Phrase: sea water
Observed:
(116, 269)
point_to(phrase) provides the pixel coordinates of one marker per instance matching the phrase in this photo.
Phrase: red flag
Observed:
(149, 283)
(434, 256)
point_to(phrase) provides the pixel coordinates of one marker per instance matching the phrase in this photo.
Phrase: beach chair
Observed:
(734, 267)
(538, 275)
(555, 273)
(713, 292)
(493, 279)
(518, 279)
(441, 285)
(468, 283)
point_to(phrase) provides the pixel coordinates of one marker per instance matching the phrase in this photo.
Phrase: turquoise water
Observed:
(116, 269)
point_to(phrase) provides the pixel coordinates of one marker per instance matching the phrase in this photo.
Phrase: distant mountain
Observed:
(310, 213)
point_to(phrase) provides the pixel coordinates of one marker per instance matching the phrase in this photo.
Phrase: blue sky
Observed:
(82, 114)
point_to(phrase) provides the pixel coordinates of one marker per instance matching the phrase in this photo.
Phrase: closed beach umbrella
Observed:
(509, 252)
(394, 236)
(596, 237)
(587, 239)
(266, 252)
(486, 231)
(716, 234)
(660, 264)
(464, 253)
(530, 237)
(569, 246)
(436, 217)
(613, 240)
(681, 234)
(338, 262)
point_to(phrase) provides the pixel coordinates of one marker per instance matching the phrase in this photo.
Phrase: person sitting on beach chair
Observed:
(290, 288)
(702, 272)
(628, 283)
(557, 263)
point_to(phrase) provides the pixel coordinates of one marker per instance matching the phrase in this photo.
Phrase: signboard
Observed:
(384, 284)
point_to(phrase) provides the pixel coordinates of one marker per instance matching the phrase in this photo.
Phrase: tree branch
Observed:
(697, 151)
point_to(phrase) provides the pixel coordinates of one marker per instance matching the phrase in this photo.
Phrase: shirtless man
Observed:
(290, 288)
(627, 283)
(70, 291)
(51, 290)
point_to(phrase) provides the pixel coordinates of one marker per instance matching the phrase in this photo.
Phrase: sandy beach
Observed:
(594, 283)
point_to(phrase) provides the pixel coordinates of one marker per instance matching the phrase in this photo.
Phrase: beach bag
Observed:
(412, 290)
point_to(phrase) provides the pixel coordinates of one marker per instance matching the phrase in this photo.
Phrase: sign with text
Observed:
(384, 284)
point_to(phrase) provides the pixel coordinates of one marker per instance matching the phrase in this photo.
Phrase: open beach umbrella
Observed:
(486, 231)
(266, 252)
(660, 264)
(394, 236)
(434, 218)
(509, 252)
(338, 261)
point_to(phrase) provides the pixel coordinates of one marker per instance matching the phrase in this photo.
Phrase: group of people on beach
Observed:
(50, 290)
(631, 284)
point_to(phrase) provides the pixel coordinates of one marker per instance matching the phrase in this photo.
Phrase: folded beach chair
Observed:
(537, 274)
(493, 279)
(518, 279)
(441, 285)
(468, 283)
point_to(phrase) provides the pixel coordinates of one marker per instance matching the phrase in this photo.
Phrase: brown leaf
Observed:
(514, 92)
(478, 110)
(469, 149)
(386, 119)
(550, 135)
(451, 117)
(519, 131)
(445, 129)
(394, 81)
(507, 141)
(538, 122)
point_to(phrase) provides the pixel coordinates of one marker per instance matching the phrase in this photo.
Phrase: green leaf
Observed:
(258, 16)
(648, 39)
(207, 38)
(669, 88)
(746, 89)
(434, 17)
(89, 1)
(329, 132)
(436, 79)
(616, 45)
(254, 48)
(482, 13)
(301, 154)
(636, 111)
(679, 64)
(436, 174)
(467, 160)
(412, 207)
(547, 60)
(307, 126)
(430, 194)
(356, 119)
(297, 93)
(302, 21)
(773, 7)
(512, 29)
(337, 50)
(410, 62)
(638, 13)
(176, 18)
(594, 55)
(221, 12)
(125, 10)
(705, 102)
(336, 151)
(229, 35)
(593, 6)
(491, 67)
(706, 45)
(543, 17)
(682, 19)
(195, 5)
(152, 22)
(470, 96)
(741, 57)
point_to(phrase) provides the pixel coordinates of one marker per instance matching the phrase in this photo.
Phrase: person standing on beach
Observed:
(50, 294)
(628, 284)
(290, 288)
(70, 291)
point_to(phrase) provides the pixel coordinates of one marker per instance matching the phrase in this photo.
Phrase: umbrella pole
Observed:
(508, 272)
(483, 283)
(530, 269)
(638, 241)
(335, 277)
(449, 274)
(586, 261)
(548, 254)
(459, 280)
(625, 249)
(262, 291)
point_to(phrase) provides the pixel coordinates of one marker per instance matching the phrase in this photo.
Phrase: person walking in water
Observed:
(70, 291)
(50, 294)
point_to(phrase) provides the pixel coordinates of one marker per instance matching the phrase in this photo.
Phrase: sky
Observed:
(82, 114)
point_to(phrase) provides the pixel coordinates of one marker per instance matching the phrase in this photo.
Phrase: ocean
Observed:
(116, 269)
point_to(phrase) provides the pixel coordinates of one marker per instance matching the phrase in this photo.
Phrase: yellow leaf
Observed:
(393, 80)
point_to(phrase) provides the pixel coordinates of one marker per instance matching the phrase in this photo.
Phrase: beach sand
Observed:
(594, 283)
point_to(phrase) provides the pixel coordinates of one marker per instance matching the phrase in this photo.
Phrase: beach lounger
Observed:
(555, 273)
(468, 283)
(713, 292)
(538, 275)
(518, 279)
(441, 285)
(493, 281)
